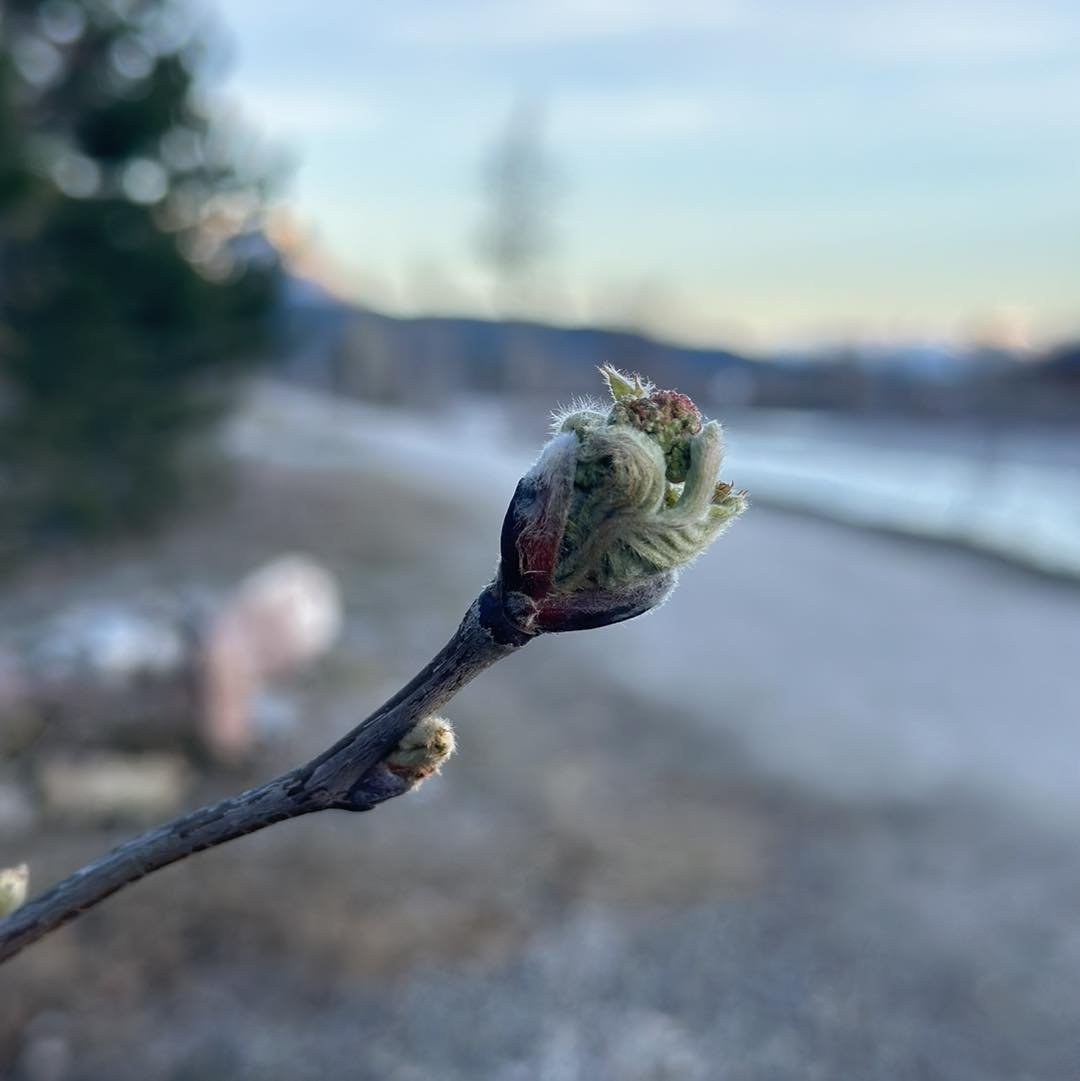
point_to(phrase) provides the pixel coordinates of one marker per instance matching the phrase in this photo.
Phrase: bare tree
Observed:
(519, 185)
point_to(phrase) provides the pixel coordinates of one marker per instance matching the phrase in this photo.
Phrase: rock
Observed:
(280, 618)
(142, 677)
(289, 613)
(109, 643)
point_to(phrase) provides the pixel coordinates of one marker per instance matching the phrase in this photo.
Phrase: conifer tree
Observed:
(134, 281)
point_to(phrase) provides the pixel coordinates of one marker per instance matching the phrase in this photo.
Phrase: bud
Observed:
(619, 499)
(423, 750)
(14, 882)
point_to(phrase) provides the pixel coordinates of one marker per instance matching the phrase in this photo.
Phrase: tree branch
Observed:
(594, 534)
(352, 775)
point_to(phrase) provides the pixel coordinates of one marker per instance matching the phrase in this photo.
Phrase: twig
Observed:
(594, 534)
(352, 775)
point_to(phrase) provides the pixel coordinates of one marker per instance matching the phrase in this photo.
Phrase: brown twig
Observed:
(594, 534)
(352, 775)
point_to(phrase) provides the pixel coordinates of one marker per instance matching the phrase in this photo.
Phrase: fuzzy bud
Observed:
(423, 750)
(619, 499)
(14, 882)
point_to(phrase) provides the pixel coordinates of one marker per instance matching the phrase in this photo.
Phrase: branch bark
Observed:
(351, 776)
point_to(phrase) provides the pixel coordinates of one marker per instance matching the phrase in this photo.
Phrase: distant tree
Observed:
(133, 279)
(518, 187)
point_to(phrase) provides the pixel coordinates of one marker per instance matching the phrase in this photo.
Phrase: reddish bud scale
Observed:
(524, 600)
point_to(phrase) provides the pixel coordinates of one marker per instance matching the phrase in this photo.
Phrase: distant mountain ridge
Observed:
(328, 343)
(333, 344)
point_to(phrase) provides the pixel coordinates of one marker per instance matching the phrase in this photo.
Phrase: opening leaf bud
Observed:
(619, 499)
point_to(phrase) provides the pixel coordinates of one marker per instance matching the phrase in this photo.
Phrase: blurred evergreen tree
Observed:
(134, 280)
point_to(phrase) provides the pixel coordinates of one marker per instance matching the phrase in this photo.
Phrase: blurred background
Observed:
(287, 294)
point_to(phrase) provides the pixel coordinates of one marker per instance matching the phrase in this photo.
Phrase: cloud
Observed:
(961, 32)
(641, 116)
(525, 22)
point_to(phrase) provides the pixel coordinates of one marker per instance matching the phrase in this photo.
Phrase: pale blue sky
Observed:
(761, 173)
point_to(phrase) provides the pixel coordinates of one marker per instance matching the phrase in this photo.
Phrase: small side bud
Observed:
(14, 882)
(423, 750)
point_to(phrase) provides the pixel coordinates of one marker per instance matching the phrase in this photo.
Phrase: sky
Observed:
(769, 174)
